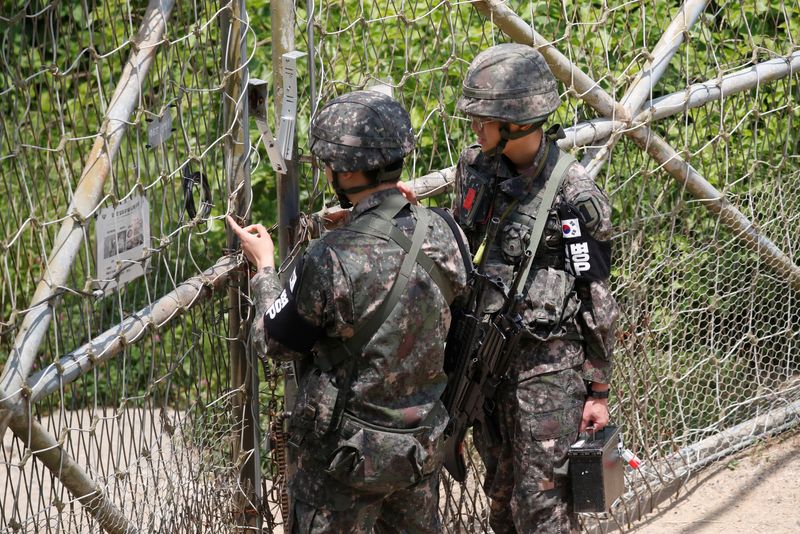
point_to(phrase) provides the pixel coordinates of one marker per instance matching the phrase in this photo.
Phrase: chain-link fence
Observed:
(127, 390)
(122, 402)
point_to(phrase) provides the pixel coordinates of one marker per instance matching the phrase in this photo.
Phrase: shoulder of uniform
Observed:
(319, 263)
(575, 170)
(470, 154)
(580, 190)
(578, 182)
(319, 250)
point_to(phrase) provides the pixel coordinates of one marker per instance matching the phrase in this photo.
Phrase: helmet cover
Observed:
(511, 83)
(361, 131)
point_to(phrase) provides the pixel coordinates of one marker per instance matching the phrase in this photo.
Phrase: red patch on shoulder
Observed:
(469, 199)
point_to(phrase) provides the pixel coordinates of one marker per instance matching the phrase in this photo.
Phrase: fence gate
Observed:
(130, 399)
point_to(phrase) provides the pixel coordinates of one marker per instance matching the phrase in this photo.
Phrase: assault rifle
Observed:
(478, 354)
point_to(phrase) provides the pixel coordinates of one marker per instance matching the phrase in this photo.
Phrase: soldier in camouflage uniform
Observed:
(366, 429)
(558, 380)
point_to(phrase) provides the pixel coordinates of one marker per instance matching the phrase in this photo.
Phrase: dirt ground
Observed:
(754, 492)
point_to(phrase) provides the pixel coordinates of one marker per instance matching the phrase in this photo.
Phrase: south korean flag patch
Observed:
(571, 228)
(585, 257)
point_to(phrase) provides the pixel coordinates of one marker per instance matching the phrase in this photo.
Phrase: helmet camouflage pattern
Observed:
(361, 131)
(510, 83)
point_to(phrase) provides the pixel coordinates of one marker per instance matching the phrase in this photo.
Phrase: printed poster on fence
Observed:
(123, 232)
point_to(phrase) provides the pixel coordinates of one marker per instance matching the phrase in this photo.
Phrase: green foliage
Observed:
(679, 268)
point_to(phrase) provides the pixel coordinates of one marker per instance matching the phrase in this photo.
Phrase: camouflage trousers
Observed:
(526, 479)
(413, 510)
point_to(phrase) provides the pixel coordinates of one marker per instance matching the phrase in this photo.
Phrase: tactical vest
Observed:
(550, 303)
(518, 216)
(397, 458)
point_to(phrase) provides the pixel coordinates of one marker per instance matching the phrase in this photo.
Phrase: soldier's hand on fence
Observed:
(595, 414)
(256, 243)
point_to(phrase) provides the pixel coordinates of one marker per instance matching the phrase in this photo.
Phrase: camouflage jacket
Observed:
(341, 280)
(569, 322)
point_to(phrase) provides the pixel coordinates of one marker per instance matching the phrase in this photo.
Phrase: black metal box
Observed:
(596, 471)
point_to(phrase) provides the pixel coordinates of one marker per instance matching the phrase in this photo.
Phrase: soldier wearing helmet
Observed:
(367, 310)
(558, 381)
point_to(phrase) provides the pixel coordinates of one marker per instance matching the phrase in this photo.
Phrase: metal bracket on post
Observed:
(279, 149)
(289, 104)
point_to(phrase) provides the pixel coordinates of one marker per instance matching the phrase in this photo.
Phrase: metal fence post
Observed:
(244, 370)
(283, 34)
(283, 41)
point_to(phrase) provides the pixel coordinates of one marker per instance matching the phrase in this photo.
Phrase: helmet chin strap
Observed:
(507, 135)
(387, 174)
(341, 193)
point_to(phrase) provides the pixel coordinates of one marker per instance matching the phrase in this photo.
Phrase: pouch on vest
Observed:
(550, 304)
(316, 412)
(514, 241)
(379, 459)
(586, 258)
(474, 199)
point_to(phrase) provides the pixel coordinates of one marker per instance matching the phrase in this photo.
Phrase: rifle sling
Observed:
(462, 245)
(551, 188)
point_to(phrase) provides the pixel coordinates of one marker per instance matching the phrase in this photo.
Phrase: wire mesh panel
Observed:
(687, 114)
(708, 335)
(132, 379)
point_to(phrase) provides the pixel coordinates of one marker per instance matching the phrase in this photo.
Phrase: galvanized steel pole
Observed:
(699, 94)
(283, 41)
(69, 473)
(673, 37)
(715, 201)
(150, 319)
(511, 24)
(575, 79)
(441, 181)
(642, 87)
(653, 488)
(695, 95)
(244, 370)
(15, 410)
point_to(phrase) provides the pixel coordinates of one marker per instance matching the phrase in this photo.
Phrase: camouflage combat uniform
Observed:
(569, 322)
(349, 478)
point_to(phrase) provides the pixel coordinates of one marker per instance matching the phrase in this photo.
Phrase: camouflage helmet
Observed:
(510, 83)
(361, 131)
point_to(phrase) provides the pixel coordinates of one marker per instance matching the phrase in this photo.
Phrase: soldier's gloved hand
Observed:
(256, 243)
(595, 414)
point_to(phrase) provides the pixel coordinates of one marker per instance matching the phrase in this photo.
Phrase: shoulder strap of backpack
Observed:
(378, 223)
(354, 346)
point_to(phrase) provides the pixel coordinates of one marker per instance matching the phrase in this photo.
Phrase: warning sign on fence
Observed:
(123, 232)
